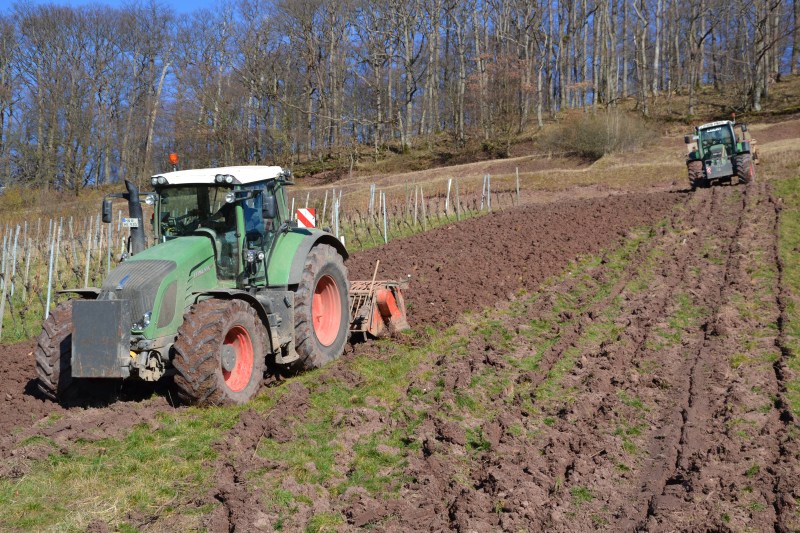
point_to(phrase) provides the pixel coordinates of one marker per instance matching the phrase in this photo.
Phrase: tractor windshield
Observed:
(202, 210)
(186, 208)
(719, 135)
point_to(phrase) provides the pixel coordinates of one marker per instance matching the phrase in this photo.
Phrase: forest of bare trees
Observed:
(93, 94)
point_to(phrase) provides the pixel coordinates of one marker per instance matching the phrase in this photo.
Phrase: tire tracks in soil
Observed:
(724, 477)
(678, 444)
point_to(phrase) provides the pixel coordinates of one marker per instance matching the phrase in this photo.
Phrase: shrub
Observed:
(595, 135)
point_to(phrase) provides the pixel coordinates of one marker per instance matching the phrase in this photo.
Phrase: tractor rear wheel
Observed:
(745, 170)
(220, 353)
(322, 310)
(696, 177)
(54, 354)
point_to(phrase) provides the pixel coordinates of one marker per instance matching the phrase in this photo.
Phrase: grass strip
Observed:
(788, 247)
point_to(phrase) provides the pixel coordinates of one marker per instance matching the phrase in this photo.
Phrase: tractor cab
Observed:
(238, 208)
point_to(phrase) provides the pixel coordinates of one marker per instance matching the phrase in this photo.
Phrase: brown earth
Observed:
(658, 424)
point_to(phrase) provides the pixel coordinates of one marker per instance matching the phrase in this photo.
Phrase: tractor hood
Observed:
(159, 282)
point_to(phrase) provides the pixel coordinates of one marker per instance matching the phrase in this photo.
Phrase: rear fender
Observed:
(291, 251)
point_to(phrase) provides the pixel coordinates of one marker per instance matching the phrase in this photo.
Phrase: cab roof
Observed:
(207, 176)
(714, 124)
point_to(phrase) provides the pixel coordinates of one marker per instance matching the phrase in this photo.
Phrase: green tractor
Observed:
(717, 152)
(230, 286)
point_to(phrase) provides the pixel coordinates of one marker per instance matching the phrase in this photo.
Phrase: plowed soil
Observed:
(655, 401)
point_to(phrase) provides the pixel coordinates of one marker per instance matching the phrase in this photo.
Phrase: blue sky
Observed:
(180, 6)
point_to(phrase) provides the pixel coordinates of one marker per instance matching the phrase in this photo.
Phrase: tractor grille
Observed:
(137, 281)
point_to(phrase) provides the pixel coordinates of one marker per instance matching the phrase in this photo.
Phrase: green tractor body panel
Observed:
(290, 251)
(195, 271)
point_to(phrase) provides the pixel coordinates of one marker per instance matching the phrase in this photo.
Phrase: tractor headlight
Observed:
(144, 322)
(150, 199)
(162, 180)
(153, 181)
(251, 256)
(230, 197)
(224, 178)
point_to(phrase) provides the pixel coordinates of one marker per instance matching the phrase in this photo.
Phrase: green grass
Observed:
(581, 495)
(137, 472)
(789, 245)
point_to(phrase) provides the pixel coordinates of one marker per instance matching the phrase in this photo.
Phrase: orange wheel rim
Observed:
(239, 376)
(326, 310)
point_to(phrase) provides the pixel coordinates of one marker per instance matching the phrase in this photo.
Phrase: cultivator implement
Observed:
(377, 308)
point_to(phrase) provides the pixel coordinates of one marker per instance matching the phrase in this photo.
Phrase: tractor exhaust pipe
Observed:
(135, 212)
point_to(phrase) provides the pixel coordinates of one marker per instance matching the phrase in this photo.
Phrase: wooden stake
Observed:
(458, 203)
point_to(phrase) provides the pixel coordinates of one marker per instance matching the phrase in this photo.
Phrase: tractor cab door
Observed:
(261, 221)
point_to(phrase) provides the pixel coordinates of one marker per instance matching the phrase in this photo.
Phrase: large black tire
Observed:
(744, 168)
(696, 176)
(220, 353)
(54, 354)
(324, 290)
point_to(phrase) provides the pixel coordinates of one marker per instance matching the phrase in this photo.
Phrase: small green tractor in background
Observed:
(718, 151)
(231, 286)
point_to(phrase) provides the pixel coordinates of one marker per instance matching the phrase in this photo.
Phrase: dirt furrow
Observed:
(695, 411)
(735, 467)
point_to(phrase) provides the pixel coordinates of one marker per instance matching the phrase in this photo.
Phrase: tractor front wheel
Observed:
(745, 170)
(54, 354)
(696, 176)
(322, 310)
(220, 353)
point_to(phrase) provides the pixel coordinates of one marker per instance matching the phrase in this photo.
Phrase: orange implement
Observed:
(377, 308)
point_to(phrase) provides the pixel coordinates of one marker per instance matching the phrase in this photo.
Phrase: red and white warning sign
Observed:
(306, 218)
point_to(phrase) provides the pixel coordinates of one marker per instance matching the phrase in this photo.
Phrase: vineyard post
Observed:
(324, 208)
(335, 214)
(58, 246)
(3, 301)
(49, 278)
(14, 261)
(489, 192)
(88, 254)
(100, 250)
(483, 192)
(517, 172)
(385, 219)
(333, 208)
(27, 264)
(371, 199)
(447, 199)
(291, 212)
(424, 214)
(3, 261)
(308, 197)
(458, 203)
(416, 202)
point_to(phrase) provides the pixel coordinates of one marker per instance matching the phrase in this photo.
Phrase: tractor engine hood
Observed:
(156, 281)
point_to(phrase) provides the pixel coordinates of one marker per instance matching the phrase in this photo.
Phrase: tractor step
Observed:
(377, 308)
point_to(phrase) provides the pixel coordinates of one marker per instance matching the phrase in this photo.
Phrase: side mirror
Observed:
(744, 127)
(270, 206)
(687, 139)
(107, 214)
